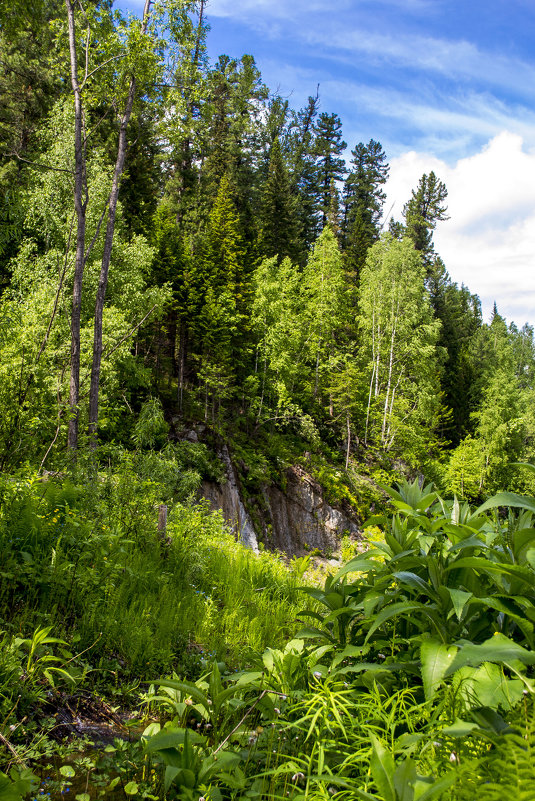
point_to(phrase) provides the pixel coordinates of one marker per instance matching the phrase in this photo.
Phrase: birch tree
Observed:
(139, 43)
(398, 347)
(277, 323)
(325, 310)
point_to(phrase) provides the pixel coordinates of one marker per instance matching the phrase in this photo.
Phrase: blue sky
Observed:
(436, 75)
(442, 84)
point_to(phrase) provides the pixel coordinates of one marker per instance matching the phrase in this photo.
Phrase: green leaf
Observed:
(497, 648)
(459, 728)
(172, 738)
(18, 786)
(425, 502)
(508, 605)
(459, 600)
(131, 788)
(436, 659)
(382, 769)
(404, 777)
(438, 787)
(350, 651)
(67, 771)
(402, 607)
(334, 600)
(82, 797)
(358, 565)
(185, 687)
(470, 542)
(507, 499)
(489, 719)
(486, 566)
(171, 772)
(486, 686)
(522, 539)
(417, 583)
(311, 633)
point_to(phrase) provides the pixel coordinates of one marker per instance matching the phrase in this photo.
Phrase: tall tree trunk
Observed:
(394, 317)
(106, 255)
(80, 205)
(348, 449)
(182, 345)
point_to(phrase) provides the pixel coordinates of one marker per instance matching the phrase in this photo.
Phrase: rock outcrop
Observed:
(300, 519)
(227, 497)
(295, 520)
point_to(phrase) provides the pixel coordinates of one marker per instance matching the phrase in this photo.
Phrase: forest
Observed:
(189, 263)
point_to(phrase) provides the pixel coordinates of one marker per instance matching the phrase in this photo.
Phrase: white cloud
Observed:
(489, 241)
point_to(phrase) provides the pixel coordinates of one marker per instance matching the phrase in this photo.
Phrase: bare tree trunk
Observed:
(181, 363)
(106, 255)
(348, 450)
(80, 205)
(394, 317)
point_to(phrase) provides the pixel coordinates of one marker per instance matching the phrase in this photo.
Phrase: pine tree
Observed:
(302, 161)
(278, 221)
(330, 165)
(363, 203)
(422, 212)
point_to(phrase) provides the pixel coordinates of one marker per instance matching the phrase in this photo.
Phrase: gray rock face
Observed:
(294, 521)
(301, 519)
(227, 498)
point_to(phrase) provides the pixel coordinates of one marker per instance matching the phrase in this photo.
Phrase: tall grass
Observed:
(88, 561)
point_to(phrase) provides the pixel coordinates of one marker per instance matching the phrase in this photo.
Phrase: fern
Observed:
(507, 771)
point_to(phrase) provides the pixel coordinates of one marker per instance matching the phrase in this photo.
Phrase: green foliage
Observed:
(363, 201)
(150, 430)
(465, 470)
(94, 561)
(398, 339)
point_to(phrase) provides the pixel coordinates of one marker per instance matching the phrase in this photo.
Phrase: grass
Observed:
(89, 563)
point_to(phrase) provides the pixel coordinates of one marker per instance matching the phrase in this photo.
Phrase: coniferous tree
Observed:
(330, 165)
(140, 187)
(301, 147)
(220, 291)
(221, 272)
(278, 236)
(363, 202)
(459, 313)
(233, 116)
(333, 214)
(31, 80)
(422, 212)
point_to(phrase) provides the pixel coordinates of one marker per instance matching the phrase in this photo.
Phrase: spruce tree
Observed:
(330, 165)
(459, 313)
(221, 271)
(302, 162)
(422, 212)
(363, 202)
(278, 221)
